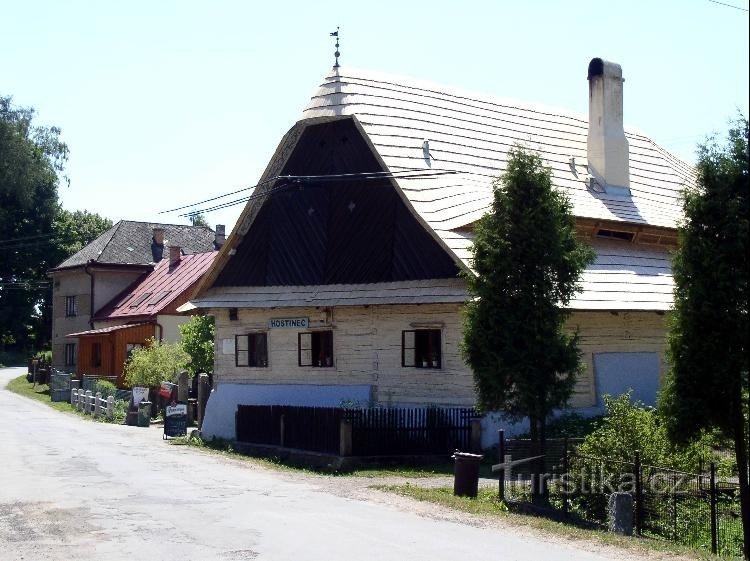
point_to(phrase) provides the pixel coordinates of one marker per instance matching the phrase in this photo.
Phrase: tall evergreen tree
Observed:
(707, 386)
(527, 262)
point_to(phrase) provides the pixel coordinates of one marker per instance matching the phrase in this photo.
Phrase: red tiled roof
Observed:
(159, 288)
(110, 329)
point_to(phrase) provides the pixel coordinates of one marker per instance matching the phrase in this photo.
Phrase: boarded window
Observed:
(420, 348)
(70, 354)
(96, 355)
(251, 350)
(316, 349)
(71, 306)
(618, 373)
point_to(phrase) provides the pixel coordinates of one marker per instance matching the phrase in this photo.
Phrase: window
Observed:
(96, 355)
(140, 299)
(251, 350)
(70, 354)
(616, 235)
(316, 349)
(71, 308)
(232, 314)
(420, 348)
(617, 373)
(159, 297)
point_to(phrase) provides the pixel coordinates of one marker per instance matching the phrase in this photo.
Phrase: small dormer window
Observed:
(615, 235)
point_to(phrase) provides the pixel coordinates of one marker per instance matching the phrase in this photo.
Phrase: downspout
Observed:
(91, 307)
(161, 331)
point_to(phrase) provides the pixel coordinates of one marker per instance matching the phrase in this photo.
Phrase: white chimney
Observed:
(607, 146)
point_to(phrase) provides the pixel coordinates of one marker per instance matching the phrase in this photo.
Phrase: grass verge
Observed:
(487, 506)
(226, 448)
(41, 393)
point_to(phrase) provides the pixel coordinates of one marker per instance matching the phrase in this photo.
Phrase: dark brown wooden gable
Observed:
(336, 230)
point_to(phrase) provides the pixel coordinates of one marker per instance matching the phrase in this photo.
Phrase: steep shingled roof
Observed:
(167, 284)
(414, 125)
(129, 242)
(473, 133)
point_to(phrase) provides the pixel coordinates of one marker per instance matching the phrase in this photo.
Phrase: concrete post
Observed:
(620, 513)
(192, 406)
(345, 437)
(87, 402)
(476, 436)
(73, 396)
(203, 391)
(97, 399)
(182, 387)
(110, 407)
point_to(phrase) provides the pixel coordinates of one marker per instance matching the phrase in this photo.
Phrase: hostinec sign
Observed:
(288, 323)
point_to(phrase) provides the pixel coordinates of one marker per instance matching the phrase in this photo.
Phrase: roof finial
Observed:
(336, 54)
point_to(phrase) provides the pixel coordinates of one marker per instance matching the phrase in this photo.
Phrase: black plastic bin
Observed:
(466, 474)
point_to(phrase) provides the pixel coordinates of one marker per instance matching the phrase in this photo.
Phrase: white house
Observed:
(340, 280)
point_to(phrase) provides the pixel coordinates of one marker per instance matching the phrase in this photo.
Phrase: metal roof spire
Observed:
(336, 54)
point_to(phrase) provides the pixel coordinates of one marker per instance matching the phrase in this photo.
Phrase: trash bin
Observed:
(144, 414)
(466, 474)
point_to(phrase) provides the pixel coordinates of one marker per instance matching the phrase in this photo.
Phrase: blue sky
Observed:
(166, 103)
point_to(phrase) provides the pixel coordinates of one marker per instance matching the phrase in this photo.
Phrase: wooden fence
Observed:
(414, 431)
(359, 432)
(93, 404)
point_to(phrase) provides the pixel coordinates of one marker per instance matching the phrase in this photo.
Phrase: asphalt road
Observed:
(71, 489)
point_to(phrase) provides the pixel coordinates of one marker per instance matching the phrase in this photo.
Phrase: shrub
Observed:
(154, 363)
(629, 426)
(105, 387)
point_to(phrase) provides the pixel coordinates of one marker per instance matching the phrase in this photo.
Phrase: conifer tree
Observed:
(527, 263)
(707, 385)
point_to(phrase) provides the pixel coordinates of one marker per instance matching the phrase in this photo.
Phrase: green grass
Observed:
(487, 505)
(40, 392)
(226, 448)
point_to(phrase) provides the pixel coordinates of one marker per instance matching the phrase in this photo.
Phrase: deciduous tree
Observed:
(198, 342)
(32, 160)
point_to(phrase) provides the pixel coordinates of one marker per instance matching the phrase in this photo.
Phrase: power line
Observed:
(300, 179)
(729, 5)
(50, 235)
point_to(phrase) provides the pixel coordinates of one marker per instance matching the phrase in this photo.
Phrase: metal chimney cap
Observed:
(601, 67)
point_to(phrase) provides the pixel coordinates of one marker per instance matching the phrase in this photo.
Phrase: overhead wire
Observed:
(407, 173)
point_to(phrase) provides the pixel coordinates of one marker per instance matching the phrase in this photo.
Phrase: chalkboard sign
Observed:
(175, 420)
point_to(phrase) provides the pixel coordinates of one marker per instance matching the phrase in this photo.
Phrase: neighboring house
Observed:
(89, 279)
(341, 284)
(146, 309)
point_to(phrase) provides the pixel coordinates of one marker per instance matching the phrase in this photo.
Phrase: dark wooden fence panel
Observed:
(375, 431)
(312, 428)
(415, 431)
(258, 424)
